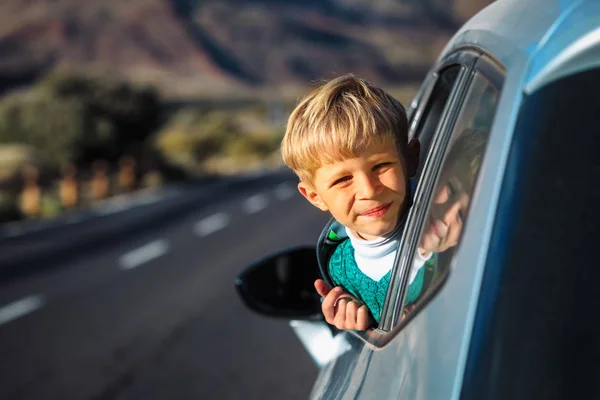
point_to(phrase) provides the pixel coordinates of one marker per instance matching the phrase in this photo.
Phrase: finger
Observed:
(322, 287)
(363, 318)
(343, 296)
(351, 313)
(328, 305)
(403, 315)
(339, 319)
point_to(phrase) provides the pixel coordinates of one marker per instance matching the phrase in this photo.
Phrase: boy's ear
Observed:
(413, 151)
(311, 195)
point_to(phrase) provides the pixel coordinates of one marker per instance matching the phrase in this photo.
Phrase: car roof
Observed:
(549, 39)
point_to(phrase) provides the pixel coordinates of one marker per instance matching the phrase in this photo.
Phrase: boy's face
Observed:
(366, 193)
(446, 217)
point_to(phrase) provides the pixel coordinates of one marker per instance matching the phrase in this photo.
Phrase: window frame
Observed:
(493, 72)
(467, 59)
(419, 103)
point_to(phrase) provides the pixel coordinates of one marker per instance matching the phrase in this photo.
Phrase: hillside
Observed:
(208, 48)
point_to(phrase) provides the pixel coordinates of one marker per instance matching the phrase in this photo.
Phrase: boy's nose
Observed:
(369, 186)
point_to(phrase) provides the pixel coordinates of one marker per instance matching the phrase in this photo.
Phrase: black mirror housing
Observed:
(282, 285)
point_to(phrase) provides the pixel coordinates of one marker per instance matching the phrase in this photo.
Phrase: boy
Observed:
(347, 142)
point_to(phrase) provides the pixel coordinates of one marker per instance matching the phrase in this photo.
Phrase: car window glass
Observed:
(434, 110)
(447, 212)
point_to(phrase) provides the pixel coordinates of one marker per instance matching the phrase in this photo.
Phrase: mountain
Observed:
(207, 48)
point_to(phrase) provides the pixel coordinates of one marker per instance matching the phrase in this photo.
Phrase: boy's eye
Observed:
(452, 191)
(382, 165)
(340, 180)
(450, 187)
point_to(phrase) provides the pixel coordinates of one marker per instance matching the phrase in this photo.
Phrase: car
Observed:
(510, 304)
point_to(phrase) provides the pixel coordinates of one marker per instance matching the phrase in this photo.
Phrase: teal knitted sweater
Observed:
(345, 272)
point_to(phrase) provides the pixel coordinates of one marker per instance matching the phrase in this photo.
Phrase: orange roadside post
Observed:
(30, 199)
(100, 183)
(127, 173)
(68, 187)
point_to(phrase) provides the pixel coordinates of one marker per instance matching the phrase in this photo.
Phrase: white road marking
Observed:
(142, 255)
(211, 224)
(256, 203)
(19, 308)
(285, 191)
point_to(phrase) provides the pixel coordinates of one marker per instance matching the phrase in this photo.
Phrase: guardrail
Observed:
(29, 247)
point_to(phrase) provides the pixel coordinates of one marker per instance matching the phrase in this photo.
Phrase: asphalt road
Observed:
(156, 316)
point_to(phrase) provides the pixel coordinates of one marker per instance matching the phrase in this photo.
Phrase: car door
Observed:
(415, 353)
(445, 85)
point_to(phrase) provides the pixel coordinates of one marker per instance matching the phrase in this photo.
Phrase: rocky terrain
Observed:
(223, 48)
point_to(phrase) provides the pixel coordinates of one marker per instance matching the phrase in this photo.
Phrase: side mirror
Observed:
(282, 285)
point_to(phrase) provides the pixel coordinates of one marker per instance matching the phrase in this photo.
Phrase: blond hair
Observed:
(338, 120)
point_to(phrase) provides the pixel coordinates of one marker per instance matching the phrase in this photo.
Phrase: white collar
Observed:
(375, 258)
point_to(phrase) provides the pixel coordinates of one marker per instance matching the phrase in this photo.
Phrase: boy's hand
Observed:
(343, 310)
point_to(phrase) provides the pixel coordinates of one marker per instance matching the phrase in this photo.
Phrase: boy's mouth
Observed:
(377, 211)
(436, 228)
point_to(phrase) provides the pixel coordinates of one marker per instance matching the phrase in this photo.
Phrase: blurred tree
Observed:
(250, 147)
(193, 136)
(134, 111)
(13, 159)
(77, 118)
(53, 127)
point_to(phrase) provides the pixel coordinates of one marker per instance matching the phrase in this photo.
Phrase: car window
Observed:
(428, 123)
(447, 195)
